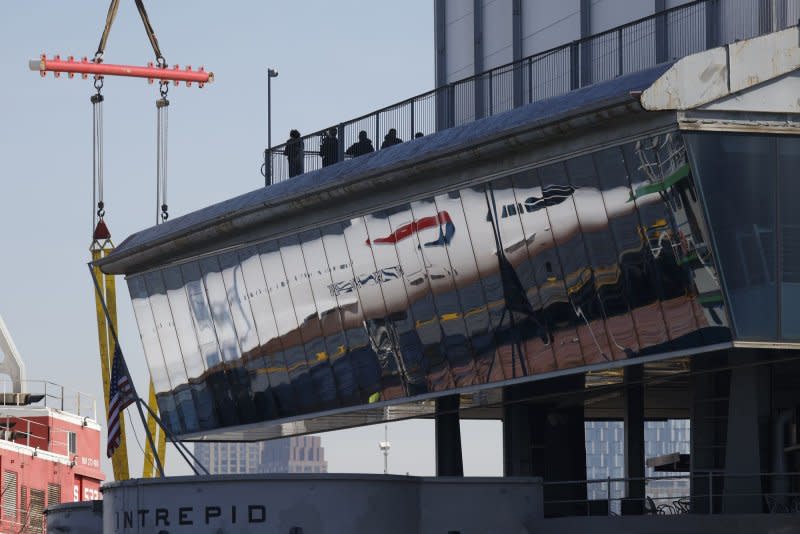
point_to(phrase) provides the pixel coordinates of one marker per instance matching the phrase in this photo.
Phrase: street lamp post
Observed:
(271, 73)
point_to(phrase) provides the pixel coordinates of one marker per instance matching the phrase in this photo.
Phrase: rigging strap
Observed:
(151, 34)
(148, 28)
(112, 13)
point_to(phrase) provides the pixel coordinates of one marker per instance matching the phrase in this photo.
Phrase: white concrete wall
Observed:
(497, 31)
(548, 24)
(607, 14)
(459, 39)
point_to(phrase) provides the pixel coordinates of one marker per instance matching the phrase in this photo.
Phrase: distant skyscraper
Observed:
(302, 454)
(605, 458)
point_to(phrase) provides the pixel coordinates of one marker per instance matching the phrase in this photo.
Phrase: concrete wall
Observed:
(322, 504)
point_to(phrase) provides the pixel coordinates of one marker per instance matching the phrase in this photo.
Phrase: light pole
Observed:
(271, 73)
(384, 446)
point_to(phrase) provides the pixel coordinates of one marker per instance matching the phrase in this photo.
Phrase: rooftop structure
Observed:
(623, 251)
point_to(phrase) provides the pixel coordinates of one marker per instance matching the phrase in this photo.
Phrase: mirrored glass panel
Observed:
(187, 340)
(599, 257)
(153, 353)
(168, 338)
(327, 324)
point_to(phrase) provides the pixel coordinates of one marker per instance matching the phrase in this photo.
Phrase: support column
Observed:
(746, 448)
(547, 439)
(586, 46)
(449, 460)
(516, 45)
(479, 82)
(634, 440)
(442, 94)
(662, 46)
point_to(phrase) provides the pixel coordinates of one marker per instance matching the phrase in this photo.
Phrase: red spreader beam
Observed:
(151, 72)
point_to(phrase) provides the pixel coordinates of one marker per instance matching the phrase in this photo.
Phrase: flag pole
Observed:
(116, 344)
(178, 444)
(160, 468)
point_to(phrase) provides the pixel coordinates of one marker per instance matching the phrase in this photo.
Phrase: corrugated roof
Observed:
(547, 111)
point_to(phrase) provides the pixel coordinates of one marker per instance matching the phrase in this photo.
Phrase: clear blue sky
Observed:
(337, 60)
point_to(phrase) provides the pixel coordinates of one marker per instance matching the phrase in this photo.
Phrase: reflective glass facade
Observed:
(598, 258)
(750, 186)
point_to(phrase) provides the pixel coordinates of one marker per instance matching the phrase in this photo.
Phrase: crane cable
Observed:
(102, 245)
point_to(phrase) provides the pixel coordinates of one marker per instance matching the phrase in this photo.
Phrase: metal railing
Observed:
(705, 492)
(640, 44)
(53, 395)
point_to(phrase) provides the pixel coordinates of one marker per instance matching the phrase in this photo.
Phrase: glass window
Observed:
(736, 173)
(647, 289)
(597, 207)
(272, 366)
(470, 294)
(286, 322)
(244, 324)
(529, 325)
(355, 314)
(569, 264)
(546, 268)
(427, 267)
(399, 325)
(227, 338)
(572, 250)
(308, 333)
(187, 339)
(789, 184)
(152, 349)
(168, 337)
(482, 241)
(329, 319)
(618, 295)
(216, 375)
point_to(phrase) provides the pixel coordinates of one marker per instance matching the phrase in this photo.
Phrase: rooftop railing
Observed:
(701, 492)
(664, 36)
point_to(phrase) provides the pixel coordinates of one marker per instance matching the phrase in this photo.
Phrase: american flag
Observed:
(121, 394)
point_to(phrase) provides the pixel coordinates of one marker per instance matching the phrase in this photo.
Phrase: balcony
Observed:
(664, 36)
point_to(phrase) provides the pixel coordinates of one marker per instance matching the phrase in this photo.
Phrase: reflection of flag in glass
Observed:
(120, 395)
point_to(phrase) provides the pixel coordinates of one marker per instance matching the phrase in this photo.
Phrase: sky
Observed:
(336, 60)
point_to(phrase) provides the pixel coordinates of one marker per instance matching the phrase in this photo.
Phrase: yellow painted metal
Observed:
(149, 469)
(105, 339)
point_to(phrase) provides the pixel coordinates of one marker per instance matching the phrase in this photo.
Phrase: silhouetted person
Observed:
(360, 147)
(329, 148)
(391, 139)
(418, 135)
(295, 153)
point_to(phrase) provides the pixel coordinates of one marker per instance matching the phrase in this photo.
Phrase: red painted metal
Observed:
(151, 72)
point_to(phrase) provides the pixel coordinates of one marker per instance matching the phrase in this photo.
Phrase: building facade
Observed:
(299, 454)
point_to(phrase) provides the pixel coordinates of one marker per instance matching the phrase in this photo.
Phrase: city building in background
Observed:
(605, 459)
(298, 454)
(49, 445)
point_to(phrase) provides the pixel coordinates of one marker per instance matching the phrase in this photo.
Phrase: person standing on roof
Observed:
(329, 147)
(295, 153)
(391, 139)
(360, 147)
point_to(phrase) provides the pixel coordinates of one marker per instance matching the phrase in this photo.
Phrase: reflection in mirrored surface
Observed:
(598, 258)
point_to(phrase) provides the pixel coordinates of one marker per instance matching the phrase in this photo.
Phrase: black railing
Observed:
(640, 44)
